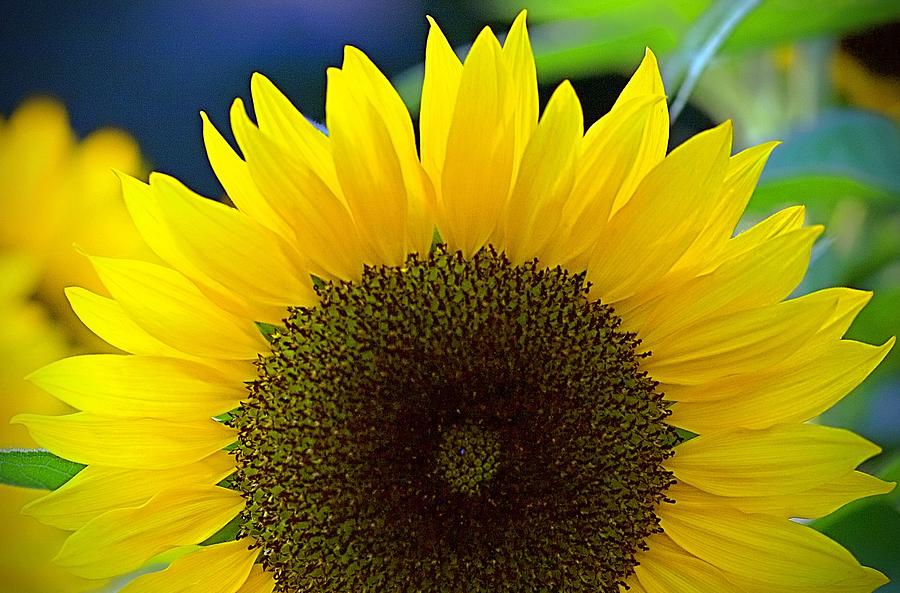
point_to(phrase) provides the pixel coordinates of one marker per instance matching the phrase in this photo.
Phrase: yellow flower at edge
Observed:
(865, 88)
(57, 191)
(488, 407)
(54, 190)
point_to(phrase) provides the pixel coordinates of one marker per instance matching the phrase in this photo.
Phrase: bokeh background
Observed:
(822, 77)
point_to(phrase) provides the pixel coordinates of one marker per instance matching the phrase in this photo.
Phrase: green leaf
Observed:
(879, 320)
(844, 153)
(825, 188)
(782, 21)
(849, 144)
(573, 37)
(614, 37)
(700, 45)
(228, 533)
(35, 468)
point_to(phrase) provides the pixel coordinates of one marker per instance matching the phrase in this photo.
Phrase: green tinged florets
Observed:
(468, 457)
(452, 425)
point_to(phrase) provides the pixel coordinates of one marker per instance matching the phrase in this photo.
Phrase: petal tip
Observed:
(520, 20)
(22, 419)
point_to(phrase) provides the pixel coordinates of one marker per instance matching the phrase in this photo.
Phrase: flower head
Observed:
(462, 367)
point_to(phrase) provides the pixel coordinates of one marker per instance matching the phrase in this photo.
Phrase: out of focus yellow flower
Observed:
(862, 87)
(55, 192)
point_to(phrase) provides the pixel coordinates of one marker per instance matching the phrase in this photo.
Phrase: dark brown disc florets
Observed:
(452, 425)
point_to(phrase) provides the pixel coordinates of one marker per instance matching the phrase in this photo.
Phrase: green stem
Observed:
(708, 51)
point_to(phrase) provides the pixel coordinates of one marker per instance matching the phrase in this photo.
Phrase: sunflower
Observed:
(525, 357)
(863, 87)
(57, 191)
(54, 190)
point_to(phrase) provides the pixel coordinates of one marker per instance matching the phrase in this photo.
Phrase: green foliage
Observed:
(572, 37)
(844, 154)
(226, 534)
(35, 468)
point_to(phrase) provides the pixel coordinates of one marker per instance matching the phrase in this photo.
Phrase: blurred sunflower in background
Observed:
(54, 191)
(866, 70)
(523, 357)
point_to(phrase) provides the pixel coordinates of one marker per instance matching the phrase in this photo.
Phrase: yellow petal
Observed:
(141, 386)
(819, 501)
(374, 152)
(222, 568)
(259, 581)
(106, 318)
(122, 540)
(668, 569)
(610, 152)
(545, 179)
(324, 231)
(848, 303)
(369, 84)
(443, 72)
(477, 173)
(279, 119)
(782, 459)
(234, 175)
(138, 443)
(519, 58)
(645, 82)
(144, 207)
(648, 235)
(783, 552)
(686, 273)
(232, 248)
(97, 489)
(144, 212)
(865, 581)
(739, 343)
(744, 170)
(794, 393)
(780, 223)
(173, 310)
(763, 275)
(808, 504)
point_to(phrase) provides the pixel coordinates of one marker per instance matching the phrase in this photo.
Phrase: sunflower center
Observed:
(452, 425)
(468, 457)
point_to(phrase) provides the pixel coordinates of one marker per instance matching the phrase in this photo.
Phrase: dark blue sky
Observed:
(151, 67)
